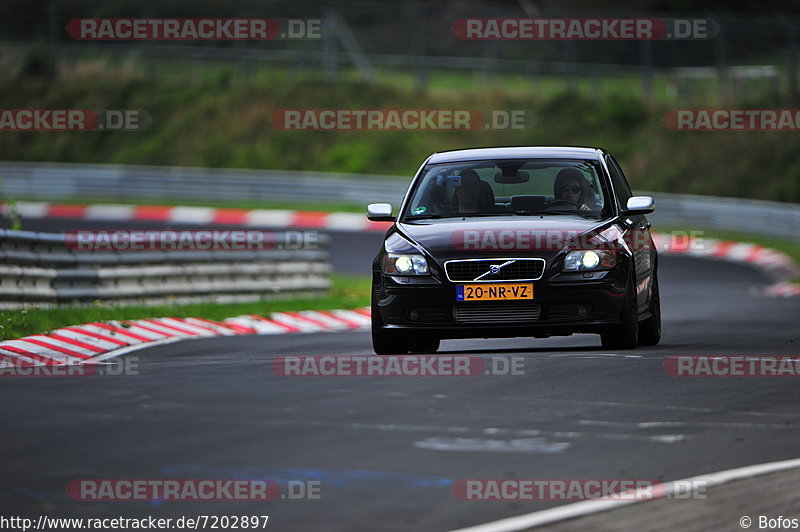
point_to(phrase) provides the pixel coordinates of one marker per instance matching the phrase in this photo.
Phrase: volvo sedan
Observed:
(511, 242)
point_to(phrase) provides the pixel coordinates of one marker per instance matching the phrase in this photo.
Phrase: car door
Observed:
(637, 235)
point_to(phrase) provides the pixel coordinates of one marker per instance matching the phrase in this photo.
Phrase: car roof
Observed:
(517, 152)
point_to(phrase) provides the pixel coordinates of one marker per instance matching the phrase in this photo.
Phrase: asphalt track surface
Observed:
(388, 450)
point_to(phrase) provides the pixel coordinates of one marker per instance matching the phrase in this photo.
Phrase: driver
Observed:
(571, 185)
(468, 194)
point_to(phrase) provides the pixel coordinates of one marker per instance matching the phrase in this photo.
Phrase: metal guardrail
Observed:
(767, 218)
(43, 268)
(54, 181)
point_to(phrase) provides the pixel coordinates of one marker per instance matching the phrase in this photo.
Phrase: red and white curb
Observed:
(95, 342)
(333, 221)
(783, 290)
(777, 265)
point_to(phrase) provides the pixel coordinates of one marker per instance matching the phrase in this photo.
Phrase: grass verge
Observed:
(347, 292)
(220, 121)
(211, 202)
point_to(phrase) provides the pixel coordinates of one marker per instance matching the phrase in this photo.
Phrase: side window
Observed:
(618, 179)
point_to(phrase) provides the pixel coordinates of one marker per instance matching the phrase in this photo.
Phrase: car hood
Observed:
(530, 236)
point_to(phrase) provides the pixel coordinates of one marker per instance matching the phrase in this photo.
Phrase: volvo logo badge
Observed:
(494, 269)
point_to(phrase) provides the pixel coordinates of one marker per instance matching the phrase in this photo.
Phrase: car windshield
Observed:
(506, 187)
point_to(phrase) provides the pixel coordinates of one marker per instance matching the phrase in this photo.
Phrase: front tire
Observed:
(424, 345)
(625, 335)
(650, 329)
(386, 342)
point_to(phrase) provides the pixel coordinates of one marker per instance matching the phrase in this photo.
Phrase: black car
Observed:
(519, 241)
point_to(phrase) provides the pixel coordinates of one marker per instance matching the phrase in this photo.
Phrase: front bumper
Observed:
(563, 304)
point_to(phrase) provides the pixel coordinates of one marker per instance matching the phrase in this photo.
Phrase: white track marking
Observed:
(482, 445)
(584, 508)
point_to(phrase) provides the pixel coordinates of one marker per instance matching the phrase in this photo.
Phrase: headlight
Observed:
(394, 264)
(601, 259)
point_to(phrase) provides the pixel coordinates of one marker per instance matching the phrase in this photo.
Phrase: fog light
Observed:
(583, 311)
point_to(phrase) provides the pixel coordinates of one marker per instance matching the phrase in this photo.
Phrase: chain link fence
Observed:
(751, 54)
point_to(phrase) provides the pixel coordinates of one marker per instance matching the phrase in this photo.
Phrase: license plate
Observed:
(493, 292)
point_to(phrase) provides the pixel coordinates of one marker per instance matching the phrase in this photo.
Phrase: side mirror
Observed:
(380, 212)
(640, 205)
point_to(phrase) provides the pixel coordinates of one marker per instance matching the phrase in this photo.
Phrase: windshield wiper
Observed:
(582, 214)
(414, 217)
(422, 217)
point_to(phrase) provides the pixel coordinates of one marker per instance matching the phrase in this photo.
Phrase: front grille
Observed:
(516, 270)
(497, 313)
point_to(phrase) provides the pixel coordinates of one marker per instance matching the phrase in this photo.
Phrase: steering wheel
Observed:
(564, 201)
